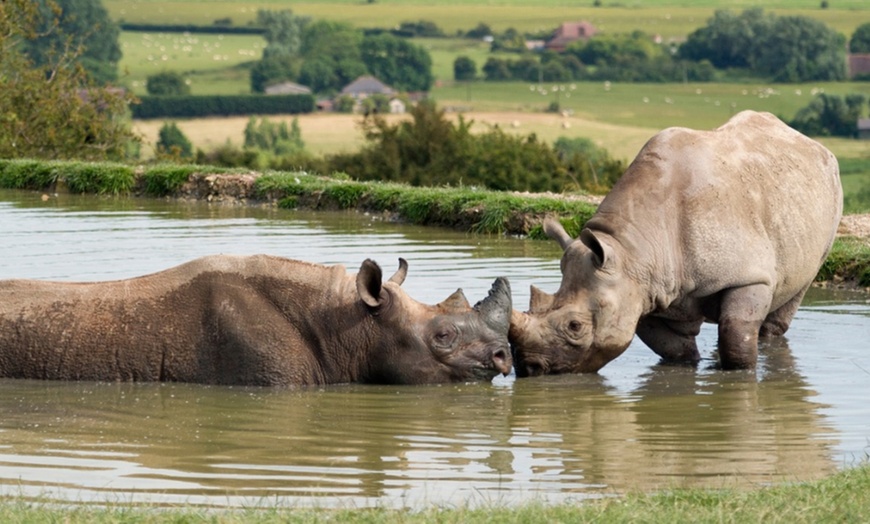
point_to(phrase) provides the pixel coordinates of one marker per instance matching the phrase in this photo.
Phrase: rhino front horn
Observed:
(496, 307)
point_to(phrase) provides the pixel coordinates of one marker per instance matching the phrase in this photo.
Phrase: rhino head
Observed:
(446, 342)
(589, 321)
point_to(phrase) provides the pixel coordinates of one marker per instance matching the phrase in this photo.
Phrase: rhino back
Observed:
(752, 201)
(219, 319)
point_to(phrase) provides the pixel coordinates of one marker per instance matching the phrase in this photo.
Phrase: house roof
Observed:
(570, 32)
(287, 88)
(367, 85)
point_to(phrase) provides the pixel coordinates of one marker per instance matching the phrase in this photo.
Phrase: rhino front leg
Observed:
(742, 311)
(672, 340)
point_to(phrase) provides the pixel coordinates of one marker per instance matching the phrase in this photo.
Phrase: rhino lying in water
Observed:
(727, 226)
(250, 320)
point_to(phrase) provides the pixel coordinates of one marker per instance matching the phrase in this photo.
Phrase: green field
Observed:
(210, 62)
(670, 19)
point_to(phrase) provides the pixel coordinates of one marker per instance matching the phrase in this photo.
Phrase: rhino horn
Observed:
(496, 308)
(456, 301)
(401, 273)
(539, 301)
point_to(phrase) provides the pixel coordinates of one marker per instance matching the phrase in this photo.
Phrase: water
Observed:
(637, 425)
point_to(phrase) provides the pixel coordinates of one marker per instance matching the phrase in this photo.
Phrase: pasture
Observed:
(670, 19)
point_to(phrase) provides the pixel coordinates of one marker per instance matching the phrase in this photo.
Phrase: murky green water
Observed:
(636, 425)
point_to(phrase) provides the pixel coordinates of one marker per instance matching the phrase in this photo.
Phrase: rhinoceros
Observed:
(251, 320)
(728, 226)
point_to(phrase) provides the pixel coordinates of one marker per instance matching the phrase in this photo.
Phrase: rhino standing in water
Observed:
(728, 226)
(251, 320)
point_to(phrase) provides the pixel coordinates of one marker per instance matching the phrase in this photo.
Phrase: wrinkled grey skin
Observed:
(728, 226)
(250, 320)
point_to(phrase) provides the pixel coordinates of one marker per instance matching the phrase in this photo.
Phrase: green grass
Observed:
(670, 19)
(214, 64)
(842, 497)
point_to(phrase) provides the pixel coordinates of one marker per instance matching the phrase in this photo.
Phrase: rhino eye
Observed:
(444, 337)
(575, 326)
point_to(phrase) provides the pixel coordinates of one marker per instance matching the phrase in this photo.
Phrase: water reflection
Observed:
(637, 425)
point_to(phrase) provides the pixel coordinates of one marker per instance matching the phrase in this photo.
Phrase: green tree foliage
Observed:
(830, 115)
(283, 32)
(591, 167)
(167, 83)
(430, 150)
(800, 49)
(277, 139)
(281, 60)
(397, 62)
(51, 110)
(464, 68)
(80, 28)
(273, 70)
(481, 30)
(860, 41)
(785, 49)
(172, 143)
(332, 56)
(420, 28)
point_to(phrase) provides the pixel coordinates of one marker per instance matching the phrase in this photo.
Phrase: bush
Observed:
(167, 83)
(221, 105)
(431, 151)
(172, 143)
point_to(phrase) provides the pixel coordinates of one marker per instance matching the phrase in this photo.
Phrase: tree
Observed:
(786, 49)
(496, 69)
(464, 68)
(80, 28)
(331, 51)
(830, 115)
(800, 49)
(860, 41)
(273, 138)
(282, 31)
(272, 70)
(727, 39)
(51, 110)
(172, 143)
(398, 62)
(167, 83)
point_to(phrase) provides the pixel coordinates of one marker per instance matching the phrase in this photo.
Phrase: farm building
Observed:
(570, 32)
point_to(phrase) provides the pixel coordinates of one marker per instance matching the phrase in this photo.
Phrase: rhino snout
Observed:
(501, 360)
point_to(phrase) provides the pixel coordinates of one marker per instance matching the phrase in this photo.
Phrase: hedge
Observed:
(192, 106)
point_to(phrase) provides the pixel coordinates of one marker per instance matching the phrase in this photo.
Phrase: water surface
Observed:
(636, 425)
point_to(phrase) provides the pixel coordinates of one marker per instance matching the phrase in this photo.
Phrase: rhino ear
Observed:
(369, 283)
(600, 248)
(554, 230)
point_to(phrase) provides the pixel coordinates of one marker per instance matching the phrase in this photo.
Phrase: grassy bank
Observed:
(842, 497)
(465, 208)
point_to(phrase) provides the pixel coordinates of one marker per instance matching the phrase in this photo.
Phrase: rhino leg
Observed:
(742, 312)
(777, 322)
(672, 340)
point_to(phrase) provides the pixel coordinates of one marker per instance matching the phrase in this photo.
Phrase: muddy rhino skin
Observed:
(250, 320)
(728, 226)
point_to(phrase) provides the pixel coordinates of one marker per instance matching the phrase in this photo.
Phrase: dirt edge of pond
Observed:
(239, 189)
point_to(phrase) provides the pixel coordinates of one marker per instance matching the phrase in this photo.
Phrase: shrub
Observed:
(172, 143)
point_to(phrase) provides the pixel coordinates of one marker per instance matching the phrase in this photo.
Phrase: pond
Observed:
(634, 426)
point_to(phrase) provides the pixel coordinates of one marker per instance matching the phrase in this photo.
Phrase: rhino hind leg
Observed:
(742, 312)
(778, 321)
(674, 341)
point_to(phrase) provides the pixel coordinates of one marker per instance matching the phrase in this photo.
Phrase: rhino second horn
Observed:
(401, 273)
(496, 307)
